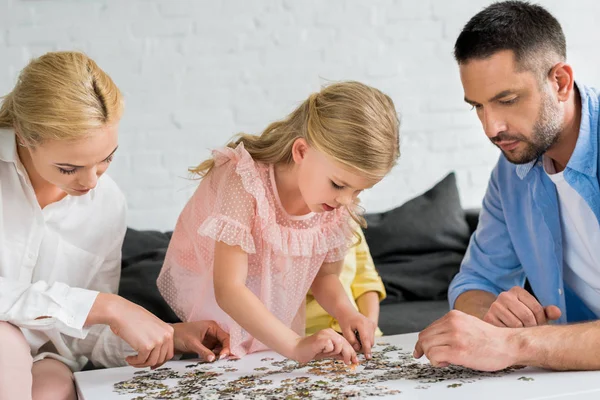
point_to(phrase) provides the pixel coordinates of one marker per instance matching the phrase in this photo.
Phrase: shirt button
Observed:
(560, 292)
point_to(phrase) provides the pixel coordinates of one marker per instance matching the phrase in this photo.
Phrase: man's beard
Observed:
(546, 133)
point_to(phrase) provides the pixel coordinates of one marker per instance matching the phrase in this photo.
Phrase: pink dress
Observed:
(238, 204)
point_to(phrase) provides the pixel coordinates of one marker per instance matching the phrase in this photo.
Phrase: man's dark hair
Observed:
(530, 31)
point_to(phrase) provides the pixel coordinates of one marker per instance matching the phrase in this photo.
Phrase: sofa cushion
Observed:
(410, 316)
(143, 257)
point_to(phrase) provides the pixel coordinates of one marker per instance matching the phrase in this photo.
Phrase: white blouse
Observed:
(54, 261)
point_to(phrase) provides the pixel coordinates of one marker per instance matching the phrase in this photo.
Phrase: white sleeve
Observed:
(101, 345)
(44, 306)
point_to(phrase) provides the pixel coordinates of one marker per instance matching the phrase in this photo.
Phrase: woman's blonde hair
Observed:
(60, 96)
(352, 123)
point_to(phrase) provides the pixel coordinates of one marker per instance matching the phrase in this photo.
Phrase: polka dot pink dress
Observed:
(238, 204)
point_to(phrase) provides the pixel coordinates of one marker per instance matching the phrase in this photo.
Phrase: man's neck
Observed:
(561, 152)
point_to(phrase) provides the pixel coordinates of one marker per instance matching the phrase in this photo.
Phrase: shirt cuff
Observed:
(73, 311)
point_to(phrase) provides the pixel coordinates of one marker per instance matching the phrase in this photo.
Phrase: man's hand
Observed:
(517, 308)
(461, 339)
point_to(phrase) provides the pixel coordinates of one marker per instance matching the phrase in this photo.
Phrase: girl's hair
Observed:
(60, 96)
(352, 123)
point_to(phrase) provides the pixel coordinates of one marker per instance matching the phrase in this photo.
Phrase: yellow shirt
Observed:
(358, 276)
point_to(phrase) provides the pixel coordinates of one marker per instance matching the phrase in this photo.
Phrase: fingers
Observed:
(205, 338)
(440, 342)
(162, 357)
(218, 352)
(223, 338)
(552, 313)
(145, 359)
(171, 350)
(348, 354)
(516, 308)
(490, 318)
(418, 351)
(343, 352)
(168, 350)
(338, 345)
(330, 344)
(427, 341)
(439, 356)
(154, 357)
(167, 353)
(139, 360)
(204, 353)
(349, 335)
(532, 305)
(367, 337)
(437, 328)
(506, 317)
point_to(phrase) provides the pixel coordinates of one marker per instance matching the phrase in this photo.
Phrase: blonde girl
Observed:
(271, 219)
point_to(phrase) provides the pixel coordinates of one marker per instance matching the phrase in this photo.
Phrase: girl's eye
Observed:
(67, 171)
(109, 159)
(336, 186)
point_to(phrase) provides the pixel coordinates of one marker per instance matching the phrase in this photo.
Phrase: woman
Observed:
(62, 224)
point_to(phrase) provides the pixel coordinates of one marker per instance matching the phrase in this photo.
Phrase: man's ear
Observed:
(561, 77)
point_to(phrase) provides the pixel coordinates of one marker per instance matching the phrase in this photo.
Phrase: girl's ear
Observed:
(299, 149)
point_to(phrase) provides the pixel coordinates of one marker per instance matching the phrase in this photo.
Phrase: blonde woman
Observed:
(272, 218)
(62, 224)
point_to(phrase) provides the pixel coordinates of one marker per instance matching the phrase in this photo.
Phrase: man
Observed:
(540, 214)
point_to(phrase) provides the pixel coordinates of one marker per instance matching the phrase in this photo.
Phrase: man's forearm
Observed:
(475, 302)
(559, 347)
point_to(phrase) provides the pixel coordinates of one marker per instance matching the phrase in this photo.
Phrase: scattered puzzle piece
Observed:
(527, 379)
(323, 379)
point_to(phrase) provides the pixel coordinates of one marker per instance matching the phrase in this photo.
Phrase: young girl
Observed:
(271, 220)
(62, 224)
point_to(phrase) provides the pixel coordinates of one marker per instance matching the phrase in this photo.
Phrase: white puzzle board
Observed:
(393, 373)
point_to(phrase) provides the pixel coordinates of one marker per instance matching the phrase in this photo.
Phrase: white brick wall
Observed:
(195, 72)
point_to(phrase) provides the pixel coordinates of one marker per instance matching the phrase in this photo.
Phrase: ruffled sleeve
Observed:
(232, 218)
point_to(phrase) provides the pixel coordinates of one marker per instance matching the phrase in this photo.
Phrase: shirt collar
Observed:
(585, 155)
(8, 145)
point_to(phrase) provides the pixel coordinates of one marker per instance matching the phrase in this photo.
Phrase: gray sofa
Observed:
(414, 316)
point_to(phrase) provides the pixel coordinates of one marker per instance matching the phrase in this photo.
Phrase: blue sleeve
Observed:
(490, 263)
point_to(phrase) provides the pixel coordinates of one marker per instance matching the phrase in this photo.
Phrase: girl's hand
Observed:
(359, 331)
(324, 344)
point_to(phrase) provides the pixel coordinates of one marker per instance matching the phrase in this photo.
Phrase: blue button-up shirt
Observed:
(519, 234)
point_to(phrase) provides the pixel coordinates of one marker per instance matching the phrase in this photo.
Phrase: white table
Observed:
(534, 383)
